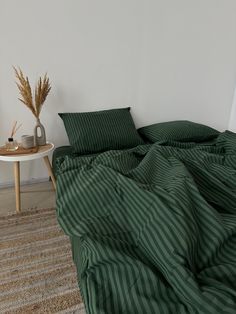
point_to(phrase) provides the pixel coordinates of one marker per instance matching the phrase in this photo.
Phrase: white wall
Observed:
(166, 59)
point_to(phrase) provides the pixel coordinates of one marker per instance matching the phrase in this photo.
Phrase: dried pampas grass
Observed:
(41, 92)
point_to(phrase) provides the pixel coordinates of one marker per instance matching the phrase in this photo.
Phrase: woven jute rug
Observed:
(37, 274)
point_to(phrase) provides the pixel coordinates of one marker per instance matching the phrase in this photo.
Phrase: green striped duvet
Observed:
(153, 228)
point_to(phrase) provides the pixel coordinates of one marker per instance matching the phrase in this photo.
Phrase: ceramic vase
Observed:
(39, 139)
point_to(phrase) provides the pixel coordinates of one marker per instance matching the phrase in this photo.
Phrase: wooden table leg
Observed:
(47, 162)
(17, 185)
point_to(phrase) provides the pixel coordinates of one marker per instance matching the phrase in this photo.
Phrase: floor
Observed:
(37, 195)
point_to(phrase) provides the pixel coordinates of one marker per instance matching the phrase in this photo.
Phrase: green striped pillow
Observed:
(182, 131)
(91, 132)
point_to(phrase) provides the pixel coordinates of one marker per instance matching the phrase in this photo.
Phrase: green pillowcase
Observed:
(182, 131)
(91, 132)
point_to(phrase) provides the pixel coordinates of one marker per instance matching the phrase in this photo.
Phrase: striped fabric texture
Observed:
(184, 131)
(153, 228)
(91, 132)
(37, 273)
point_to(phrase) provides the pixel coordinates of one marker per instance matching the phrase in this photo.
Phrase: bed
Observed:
(153, 226)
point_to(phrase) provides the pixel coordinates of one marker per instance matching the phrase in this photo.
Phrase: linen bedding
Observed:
(153, 228)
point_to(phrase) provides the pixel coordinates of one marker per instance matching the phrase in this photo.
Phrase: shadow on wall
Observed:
(232, 118)
(60, 100)
(2, 131)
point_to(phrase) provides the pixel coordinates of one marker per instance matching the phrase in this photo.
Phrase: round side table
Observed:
(42, 152)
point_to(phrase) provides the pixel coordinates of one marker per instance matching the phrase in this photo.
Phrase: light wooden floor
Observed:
(37, 195)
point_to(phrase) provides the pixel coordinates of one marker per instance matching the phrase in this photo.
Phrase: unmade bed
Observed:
(153, 227)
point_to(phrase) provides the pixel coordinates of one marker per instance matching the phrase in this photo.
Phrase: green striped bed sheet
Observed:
(59, 152)
(153, 228)
(62, 152)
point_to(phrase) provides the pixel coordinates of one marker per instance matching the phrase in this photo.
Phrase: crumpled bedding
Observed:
(153, 228)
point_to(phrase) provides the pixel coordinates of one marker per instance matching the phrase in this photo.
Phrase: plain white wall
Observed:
(166, 59)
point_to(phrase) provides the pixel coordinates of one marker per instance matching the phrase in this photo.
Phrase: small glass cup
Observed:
(11, 145)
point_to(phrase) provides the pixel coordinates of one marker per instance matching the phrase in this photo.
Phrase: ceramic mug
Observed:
(27, 141)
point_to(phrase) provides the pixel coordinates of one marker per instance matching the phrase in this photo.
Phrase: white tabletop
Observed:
(43, 151)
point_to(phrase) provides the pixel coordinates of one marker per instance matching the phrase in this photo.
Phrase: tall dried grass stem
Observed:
(41, 91)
